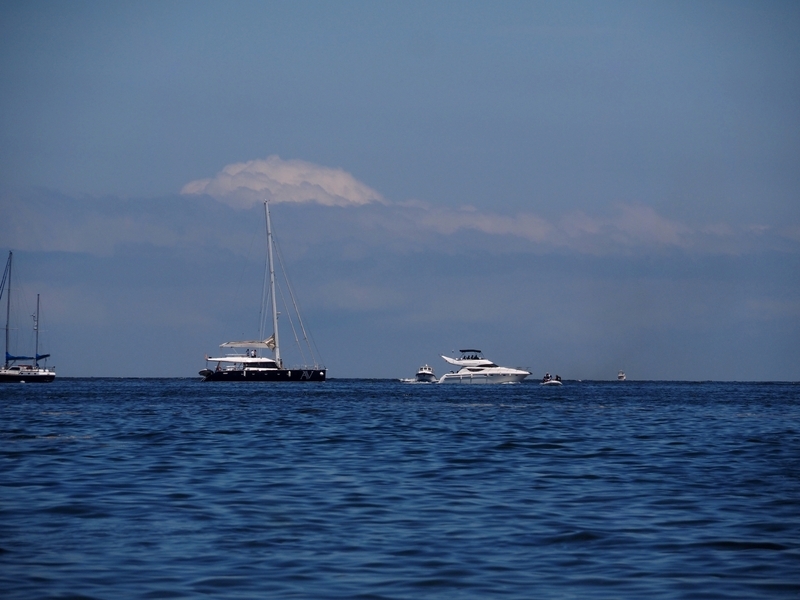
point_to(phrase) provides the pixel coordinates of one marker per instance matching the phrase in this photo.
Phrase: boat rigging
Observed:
(252, 365)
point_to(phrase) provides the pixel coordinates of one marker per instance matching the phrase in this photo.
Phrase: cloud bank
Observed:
(242, 185)
(202, 217)
(623, 229)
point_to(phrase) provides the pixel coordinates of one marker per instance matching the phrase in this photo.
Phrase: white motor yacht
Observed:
(474, 368)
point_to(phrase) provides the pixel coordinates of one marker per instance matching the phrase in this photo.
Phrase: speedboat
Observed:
(424, 374)
(474, 368)
(621, 376)
(550, 379)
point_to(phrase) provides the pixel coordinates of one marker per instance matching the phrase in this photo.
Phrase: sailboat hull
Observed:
(264, 375)
(29, 377)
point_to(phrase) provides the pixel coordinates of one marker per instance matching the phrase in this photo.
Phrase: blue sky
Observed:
(572, 187)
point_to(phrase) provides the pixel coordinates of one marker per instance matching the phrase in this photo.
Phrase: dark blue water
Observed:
(377, 489)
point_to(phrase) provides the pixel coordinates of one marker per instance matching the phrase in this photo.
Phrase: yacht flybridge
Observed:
(248, 362)
(13, 371)
(474, 368)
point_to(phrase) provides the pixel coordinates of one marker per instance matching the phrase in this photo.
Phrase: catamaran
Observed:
(13, 371)
(248, 362)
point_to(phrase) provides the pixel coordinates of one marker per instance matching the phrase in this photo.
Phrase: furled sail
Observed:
(268, 343)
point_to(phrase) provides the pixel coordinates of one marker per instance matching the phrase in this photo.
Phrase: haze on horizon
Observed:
(572, 187)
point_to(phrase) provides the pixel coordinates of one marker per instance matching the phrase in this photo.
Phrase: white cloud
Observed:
(526, 226)
(632, 225)
(244, 184)
(626, 228)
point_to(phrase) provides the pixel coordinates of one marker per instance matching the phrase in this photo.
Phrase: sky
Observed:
(571, 187)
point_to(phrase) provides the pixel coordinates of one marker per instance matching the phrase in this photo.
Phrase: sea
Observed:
(377, 489)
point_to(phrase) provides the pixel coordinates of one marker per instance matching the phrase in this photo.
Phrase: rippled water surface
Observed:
(173, 488)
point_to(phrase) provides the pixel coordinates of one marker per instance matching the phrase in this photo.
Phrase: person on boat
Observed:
(558, 377)
(546, 378)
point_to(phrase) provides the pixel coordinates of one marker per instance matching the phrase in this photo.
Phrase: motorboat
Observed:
(551, 379)
(474, 368)
(12, 370)
(248, 361)
(424, 374)
(620, 376)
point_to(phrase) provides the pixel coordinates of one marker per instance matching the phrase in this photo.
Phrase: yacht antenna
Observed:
(272, 287)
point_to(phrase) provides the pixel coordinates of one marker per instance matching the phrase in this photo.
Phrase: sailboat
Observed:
(250, 363)
(13, 371)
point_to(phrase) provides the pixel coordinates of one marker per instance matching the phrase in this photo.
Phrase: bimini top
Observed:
(470, 350)
(38, 357)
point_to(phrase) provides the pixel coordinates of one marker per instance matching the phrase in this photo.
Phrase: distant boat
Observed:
(621, 376)
(12, 371)
(251, 365)
(550, 380)
(424, 374)
(473, 368)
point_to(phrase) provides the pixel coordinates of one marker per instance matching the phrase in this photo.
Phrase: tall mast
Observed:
(272, 287)
(36, 329)
(8, 304)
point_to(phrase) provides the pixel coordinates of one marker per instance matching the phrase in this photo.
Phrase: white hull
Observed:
(483, 377)
(26, 374)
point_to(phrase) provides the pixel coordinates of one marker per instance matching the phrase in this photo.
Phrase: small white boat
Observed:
(424, 374)
(620, 376)
(550, 379)
(473, 368)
